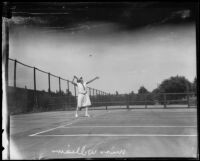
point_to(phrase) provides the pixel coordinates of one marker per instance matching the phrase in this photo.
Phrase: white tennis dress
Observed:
(83, 97)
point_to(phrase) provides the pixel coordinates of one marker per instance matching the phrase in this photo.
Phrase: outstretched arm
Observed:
(92, 80)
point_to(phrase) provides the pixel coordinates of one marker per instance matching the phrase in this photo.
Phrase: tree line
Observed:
(174, 84)
(177, 88)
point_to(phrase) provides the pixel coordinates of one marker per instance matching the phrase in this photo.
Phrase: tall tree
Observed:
(194, 85)
(177, 84)
(142, 90)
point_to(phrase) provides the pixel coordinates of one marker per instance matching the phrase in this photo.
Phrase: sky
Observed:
(124, 59)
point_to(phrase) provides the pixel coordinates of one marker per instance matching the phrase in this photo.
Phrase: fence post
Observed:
(34, 79)
(97, 93)
(35, 94)
(101, 96)
(75, 93)
(93, 97)
(165, 103)
(59, 86)
(145, 100)
(188, 100)
(68, 94)
(97, 97)
(15, 70)
(127, 101)
(68, 85)
(104, 100)
(49, 83)
(89, 92)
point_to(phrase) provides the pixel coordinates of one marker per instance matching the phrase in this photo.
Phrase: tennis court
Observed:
(107, 133)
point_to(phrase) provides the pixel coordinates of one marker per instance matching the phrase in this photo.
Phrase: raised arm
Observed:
(92, 80)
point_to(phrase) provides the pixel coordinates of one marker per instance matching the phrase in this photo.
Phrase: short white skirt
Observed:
(83, 100)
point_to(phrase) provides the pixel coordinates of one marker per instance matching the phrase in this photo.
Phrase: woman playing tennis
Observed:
(83, 97)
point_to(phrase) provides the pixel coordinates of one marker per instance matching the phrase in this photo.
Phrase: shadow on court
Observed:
(111, 133)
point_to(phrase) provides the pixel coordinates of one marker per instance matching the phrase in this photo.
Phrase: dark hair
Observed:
(79, 80)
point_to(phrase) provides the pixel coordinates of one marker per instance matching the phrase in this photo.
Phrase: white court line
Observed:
(124, 126)
(64, 126)
(61, 126)
(53, 128)
(117, 135)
